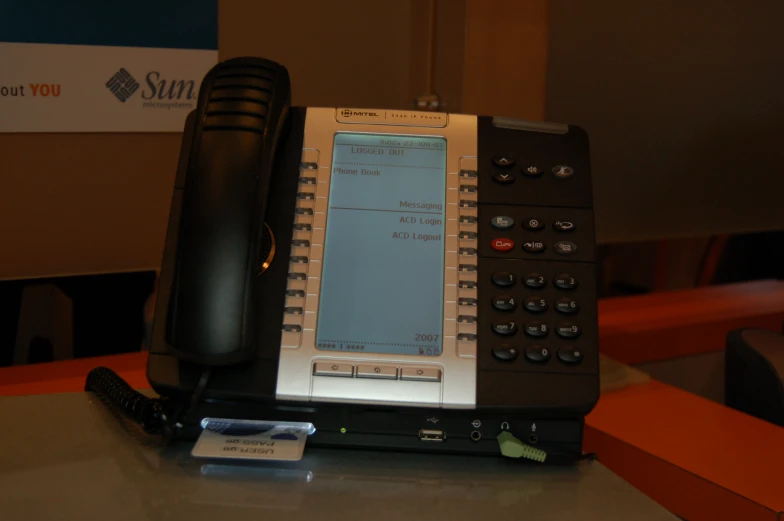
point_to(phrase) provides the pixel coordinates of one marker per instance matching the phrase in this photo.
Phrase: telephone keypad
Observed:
(565, 281)
(536, 329)
(567, 330)
(570, 355)
(505, 328)
(535, 281)
(504, 303)
(505, 352)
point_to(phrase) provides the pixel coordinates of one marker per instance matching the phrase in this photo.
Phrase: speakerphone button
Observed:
(532, 170)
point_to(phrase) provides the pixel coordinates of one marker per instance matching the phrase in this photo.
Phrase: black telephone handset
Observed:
(213, 311)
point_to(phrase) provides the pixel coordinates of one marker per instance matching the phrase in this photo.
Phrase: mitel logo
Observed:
(122, 85)
(348, 113)
(158, 92)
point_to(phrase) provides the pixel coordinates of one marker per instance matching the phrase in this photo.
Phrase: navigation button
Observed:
(563, 172)
(564, 226)
(535, 280)
(505, 328)
(532, 170)
(333, 369)
(505, 352)
(502, 222)
(570, 355)
(383, 372)
(534, 247)
(565, 248)
(504, 178)
(503, 160)
(502, 244)
(503, 279)
(421, 374)
(537, 354)
(504, 303)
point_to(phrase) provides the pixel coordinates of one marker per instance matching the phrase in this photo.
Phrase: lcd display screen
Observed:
(382, 283)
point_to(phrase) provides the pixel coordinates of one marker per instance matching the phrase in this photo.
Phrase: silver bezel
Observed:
(457, 362)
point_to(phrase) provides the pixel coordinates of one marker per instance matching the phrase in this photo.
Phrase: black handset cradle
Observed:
(397, 278)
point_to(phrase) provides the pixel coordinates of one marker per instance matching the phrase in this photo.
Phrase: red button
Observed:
(502, 244)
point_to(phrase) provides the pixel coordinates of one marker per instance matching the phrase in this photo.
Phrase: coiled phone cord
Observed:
(147, 412)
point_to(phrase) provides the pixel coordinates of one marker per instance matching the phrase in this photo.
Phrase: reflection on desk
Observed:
(68, 456)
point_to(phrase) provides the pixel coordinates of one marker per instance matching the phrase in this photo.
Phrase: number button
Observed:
(566, 305)
(565, 281)
(536, 329)
(504, 303)
(503, 279)
(505, 328)
(535, 304)
(537, 354)
(535, 281)
(505, 352)
(567, 330)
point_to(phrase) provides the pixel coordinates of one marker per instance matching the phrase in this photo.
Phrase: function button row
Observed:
(537, 354)
(536, 329)
(506, 279)
(381, 372)
(503, 222)
(504, 244)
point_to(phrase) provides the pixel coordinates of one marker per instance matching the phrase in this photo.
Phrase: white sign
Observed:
(87, 88)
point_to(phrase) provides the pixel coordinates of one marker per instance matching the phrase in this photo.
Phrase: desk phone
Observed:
(401, 279)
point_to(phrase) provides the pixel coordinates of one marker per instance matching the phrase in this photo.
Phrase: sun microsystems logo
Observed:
(122, 85)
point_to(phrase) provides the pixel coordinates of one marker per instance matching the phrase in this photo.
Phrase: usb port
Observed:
(431, 435)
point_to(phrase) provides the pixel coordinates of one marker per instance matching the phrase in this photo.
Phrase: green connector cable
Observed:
(511, 447)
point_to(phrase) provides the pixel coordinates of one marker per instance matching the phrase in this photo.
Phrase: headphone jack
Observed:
(476, 435)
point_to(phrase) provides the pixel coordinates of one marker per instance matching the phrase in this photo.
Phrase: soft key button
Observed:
(422, 374)
(333, 369)
(377, 371)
